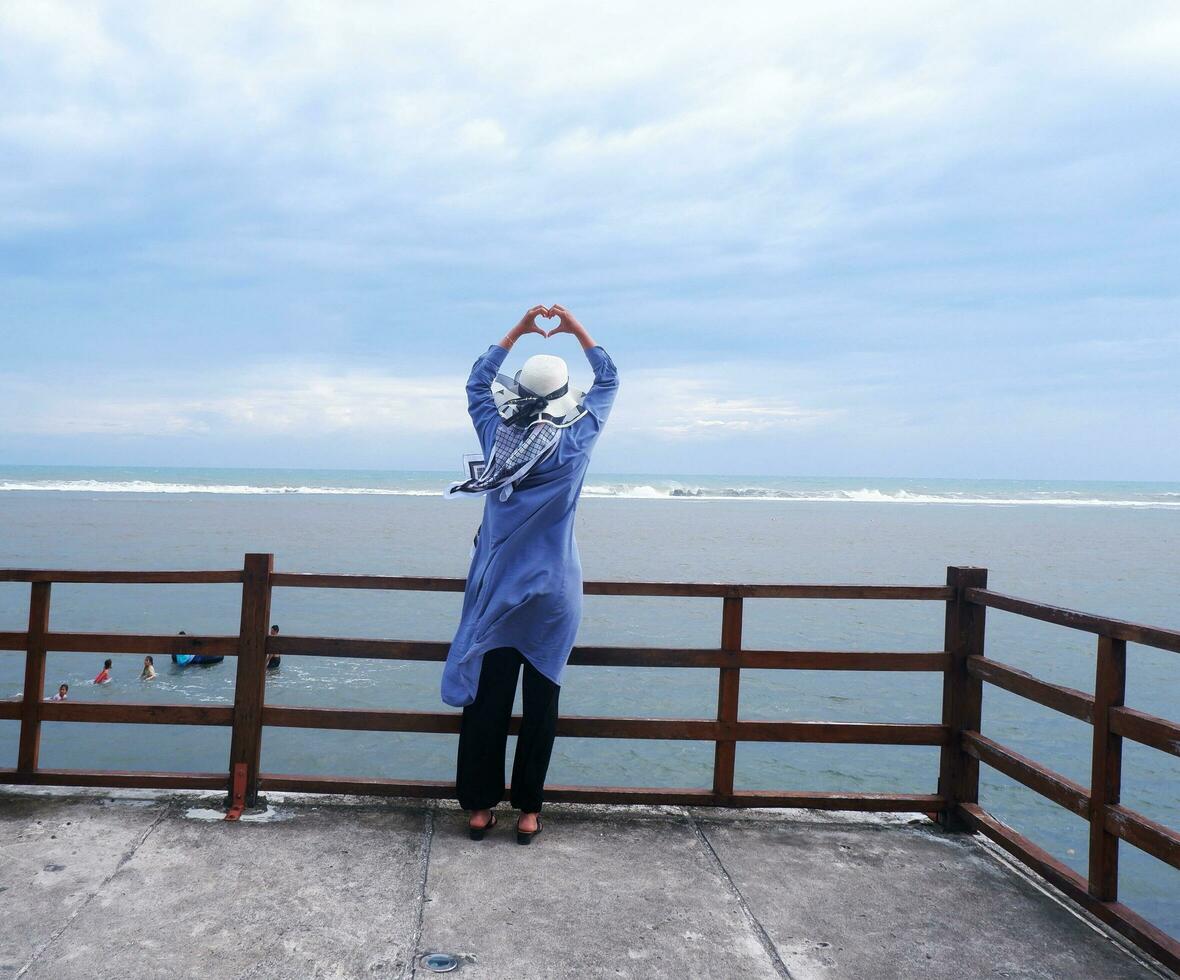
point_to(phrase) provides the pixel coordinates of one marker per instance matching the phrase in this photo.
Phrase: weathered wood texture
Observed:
(1052, 785)
(583, 726)
(689, 657)
(137, 714)
(1147, 729)
(716, 590)
(1157, 840)
(117, 577)
(114, 778)
(962, 693)
(728, 687)
(1152, 636)
(869, 802)
(34, 690)
(1110, 686)
(214, 646)
(1067, 700)
(250, 690)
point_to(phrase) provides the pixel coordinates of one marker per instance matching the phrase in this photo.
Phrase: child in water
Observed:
(62, 693)
(104, 675)
(149, 670)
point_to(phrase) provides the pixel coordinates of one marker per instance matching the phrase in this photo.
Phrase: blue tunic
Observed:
(524, 588)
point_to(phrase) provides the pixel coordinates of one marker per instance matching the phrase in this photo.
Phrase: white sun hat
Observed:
(539, 392)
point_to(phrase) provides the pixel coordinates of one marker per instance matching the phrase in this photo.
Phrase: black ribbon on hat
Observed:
(528, 404)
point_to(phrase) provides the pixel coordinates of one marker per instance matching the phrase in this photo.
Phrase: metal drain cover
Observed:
(439, 962)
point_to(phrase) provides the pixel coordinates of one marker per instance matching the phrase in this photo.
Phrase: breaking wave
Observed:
(1007, 497)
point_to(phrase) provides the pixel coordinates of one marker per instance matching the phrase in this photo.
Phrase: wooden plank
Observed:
(870, 660)
(1156, 839)
(140, 643)
(123, 713)
(627, 795)
(864, 802)
(1147, 729)
(315, 580)
(962, 694)
(11, 710)
(728, 684)
(116, 779)
(250, 688)
(447, 722)
(118, 577)
(1142, 933)
(758, 591)
(592, 726)
(29, 746)
(365, 720)
(1106, 765)
(1052, 785)
(1067, 700)
(1119, 629)
(13, 641)
(844, 733)
(306, 580)
(345, 648)
(374, 649)
(418, 789)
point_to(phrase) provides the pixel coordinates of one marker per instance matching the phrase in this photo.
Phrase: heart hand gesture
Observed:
(527, 324)
(566, 323)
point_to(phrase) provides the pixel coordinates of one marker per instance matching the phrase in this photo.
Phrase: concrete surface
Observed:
(130, 884)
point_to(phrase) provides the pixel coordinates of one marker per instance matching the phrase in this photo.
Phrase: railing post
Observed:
(250, 687)
(1110, 683)
(30, 719)
(725, 750)
(962, 694)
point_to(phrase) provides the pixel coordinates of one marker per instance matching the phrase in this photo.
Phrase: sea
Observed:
(1110, 548)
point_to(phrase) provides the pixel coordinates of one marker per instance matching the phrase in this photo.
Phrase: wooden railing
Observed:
(961, 661)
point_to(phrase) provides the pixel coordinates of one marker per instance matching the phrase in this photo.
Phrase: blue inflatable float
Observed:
(194, 660)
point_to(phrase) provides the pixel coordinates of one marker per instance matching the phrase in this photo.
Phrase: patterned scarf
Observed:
(514, 453)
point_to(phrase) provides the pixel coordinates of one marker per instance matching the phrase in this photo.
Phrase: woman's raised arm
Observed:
(601, 396)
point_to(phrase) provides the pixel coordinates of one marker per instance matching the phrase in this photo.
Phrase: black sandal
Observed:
(478, 832)
(526, 836)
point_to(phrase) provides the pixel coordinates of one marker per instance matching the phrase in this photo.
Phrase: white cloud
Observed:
(304, 400)
(694, 403)
(281, 400)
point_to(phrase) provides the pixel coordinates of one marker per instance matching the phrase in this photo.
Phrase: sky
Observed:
(842, 239)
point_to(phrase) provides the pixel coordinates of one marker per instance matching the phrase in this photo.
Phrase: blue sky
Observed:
(837, 239)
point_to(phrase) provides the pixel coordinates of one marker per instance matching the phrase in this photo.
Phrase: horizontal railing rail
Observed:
(963, 746)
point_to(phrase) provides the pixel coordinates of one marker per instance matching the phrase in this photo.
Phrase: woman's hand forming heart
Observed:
(527, 324)
(568, 323)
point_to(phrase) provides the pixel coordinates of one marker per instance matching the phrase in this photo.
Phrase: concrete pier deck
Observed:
(139, 884)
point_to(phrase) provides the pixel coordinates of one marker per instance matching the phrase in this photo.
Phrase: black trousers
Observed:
(483, 735)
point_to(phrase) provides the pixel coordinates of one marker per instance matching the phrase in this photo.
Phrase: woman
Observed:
(523, 600)
(149, 669)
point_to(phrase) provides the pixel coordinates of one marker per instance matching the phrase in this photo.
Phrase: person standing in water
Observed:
(523, 600)
(104, 675)
(273, 660)
(149, 669)
(63, 693)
